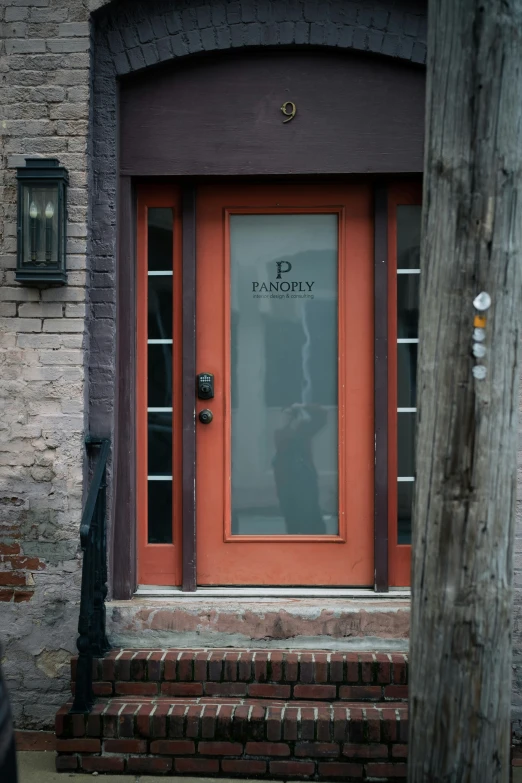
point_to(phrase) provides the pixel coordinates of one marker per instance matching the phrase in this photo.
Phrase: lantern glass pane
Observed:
(40, 221)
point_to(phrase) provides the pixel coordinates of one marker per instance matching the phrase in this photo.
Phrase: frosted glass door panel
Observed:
(284, 389)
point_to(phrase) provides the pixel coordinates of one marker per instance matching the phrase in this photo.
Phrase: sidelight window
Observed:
(158, 383)
(408, 271)
(404, 277)
(159, 374)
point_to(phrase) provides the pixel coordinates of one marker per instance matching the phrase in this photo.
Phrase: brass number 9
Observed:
(289, 110)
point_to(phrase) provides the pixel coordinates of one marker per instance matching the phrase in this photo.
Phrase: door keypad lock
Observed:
(205, 416)
(205, 386)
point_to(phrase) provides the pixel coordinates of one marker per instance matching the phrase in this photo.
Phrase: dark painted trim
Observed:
(124, 510)
(381, 386)
(236, 128)
(189, 391)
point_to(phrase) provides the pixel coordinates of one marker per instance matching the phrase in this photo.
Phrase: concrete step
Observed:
(290, 675)
(236, 737)
(348, 620)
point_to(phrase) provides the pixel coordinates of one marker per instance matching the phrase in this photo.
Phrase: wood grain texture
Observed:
(222, 116)
(466, 441)
(123, 550)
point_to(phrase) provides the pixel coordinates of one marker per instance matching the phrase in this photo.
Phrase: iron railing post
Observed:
(105, 646)
(92, 640)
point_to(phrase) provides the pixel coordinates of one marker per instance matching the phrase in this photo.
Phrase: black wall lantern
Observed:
(42, 221)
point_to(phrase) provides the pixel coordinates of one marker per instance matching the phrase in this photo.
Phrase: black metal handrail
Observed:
(92, 640)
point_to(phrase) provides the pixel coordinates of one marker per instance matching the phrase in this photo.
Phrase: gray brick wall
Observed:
(44, 109)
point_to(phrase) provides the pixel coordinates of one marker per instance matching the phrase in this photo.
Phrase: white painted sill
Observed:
(154, 591)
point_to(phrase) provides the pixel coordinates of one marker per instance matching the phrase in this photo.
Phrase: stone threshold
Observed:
(262, 622)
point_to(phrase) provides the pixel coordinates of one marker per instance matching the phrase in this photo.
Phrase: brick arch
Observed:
(139, 34)
(132, 35)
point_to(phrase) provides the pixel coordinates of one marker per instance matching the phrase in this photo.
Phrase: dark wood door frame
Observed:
(123, 544)
(123, 547)
(196, 139)
(188, 457)
(381, 386)
(124, 530)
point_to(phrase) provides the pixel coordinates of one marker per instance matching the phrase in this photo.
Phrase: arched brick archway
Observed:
(133, 35)
(140, 33)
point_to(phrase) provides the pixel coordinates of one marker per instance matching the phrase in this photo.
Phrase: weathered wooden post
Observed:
(468, 391)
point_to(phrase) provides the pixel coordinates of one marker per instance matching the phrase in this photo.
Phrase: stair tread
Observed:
(115, 651)
(265, 703)
(152, 717)
(282, 675)
(273, 714)
(220, 719)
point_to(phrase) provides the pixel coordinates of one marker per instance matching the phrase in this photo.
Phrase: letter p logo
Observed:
(280, 269)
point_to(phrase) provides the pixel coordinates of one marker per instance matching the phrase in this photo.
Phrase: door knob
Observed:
(205, 416)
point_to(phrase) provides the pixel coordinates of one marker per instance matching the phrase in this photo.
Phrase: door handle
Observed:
(205, 416)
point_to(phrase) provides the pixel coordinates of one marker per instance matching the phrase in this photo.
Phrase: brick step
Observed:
(261, 674)
(243, 737)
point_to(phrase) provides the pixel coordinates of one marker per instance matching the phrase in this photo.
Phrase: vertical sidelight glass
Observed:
(159, 373)
(408, 271)
(284, 374)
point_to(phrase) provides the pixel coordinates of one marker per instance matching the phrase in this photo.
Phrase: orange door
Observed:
(285, 325)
